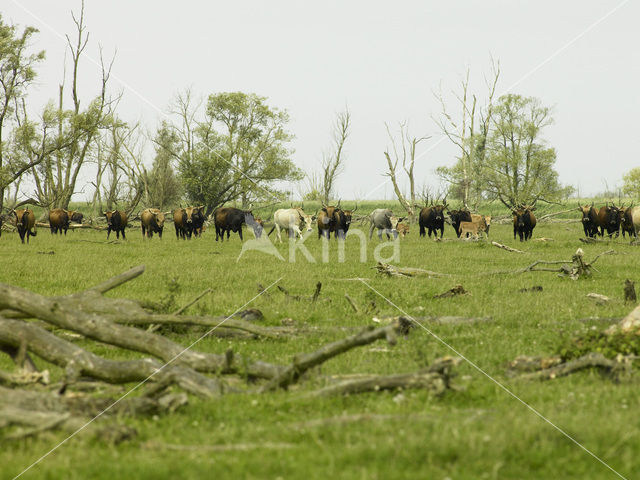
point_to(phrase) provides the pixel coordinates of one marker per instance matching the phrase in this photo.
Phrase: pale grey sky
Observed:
(382, 59)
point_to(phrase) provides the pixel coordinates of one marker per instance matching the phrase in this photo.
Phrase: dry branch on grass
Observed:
(574, 268)
(590, 360)
(505, 247)
(394, 271)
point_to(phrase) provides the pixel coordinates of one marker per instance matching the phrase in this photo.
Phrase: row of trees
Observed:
(235, 147)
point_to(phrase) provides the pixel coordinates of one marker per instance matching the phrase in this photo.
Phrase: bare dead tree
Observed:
(469, 133)
(405, 155)
(333, 161)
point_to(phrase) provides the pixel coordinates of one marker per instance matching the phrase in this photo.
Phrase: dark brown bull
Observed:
(589, 220)
(116, 221)
(626, 222)
(609, 220)
(75, 216)
(432, 219)
(25, 223)
(152, 221)
(230, 219)
(524, 221)
(459, 216)
(58, 221)
(188, 221)
(334, 219)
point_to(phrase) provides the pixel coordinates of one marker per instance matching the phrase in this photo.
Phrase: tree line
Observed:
(235, 147)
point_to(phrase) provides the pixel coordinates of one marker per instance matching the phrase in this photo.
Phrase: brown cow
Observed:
(609, 220)
(152, 221)
(188, 221)
(116, 221)
(58, 221)
(25, 222)
(327, 220)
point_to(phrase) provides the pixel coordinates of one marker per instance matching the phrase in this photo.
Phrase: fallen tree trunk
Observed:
(394, 271)
(63, 312)
(77, 361)
(586, 361)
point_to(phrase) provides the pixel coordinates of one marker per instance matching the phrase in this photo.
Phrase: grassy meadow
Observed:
(481, 432)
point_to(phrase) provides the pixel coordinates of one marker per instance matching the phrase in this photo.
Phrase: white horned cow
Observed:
(383, 219)
(293, 220)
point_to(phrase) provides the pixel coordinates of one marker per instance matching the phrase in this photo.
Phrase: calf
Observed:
(403, 229)
(473, 228)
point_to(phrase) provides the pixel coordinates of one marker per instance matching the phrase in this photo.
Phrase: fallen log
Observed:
(304, 362)
(63, 312)
(77, 361)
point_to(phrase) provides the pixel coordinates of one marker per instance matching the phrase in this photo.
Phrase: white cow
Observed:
(383, 219)
(294, 220)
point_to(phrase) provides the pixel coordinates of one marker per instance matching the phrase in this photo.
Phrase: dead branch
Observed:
(589, 360)
(452, 292)
(195, 300)
(304, 362)
(394, 271)
(352, 303)
(505, 247)
(436, 378)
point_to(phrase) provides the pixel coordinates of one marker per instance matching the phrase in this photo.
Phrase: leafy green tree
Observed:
(237, 152)
(632, 182)
(519, 167)
(17, 73)
(164, 187)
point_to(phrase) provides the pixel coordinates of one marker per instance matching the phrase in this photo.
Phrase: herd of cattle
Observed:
(190, 221)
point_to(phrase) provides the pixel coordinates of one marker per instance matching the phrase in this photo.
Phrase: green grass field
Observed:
(481, 432)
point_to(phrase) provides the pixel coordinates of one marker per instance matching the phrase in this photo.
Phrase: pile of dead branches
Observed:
(90, 384)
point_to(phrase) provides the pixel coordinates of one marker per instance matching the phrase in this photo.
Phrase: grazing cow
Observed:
(188, 221)
(117, 222)
(152, 221)
(58, 221)
(457, 216)
(293, 220)
(432, 218)
(524, 221)
(382, 219)
(609, 220)
(229, 219)
(75, 216)
(25, 223)
(403, 229)
(626, 222)
(589, 220)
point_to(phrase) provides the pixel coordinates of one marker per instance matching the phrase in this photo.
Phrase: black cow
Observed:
(432, 219)
(626, 222)
(524, 221)
(75, 216)
(589, 220)
(229, 219)
(117, 222)
(458, 216)
(609, 220)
